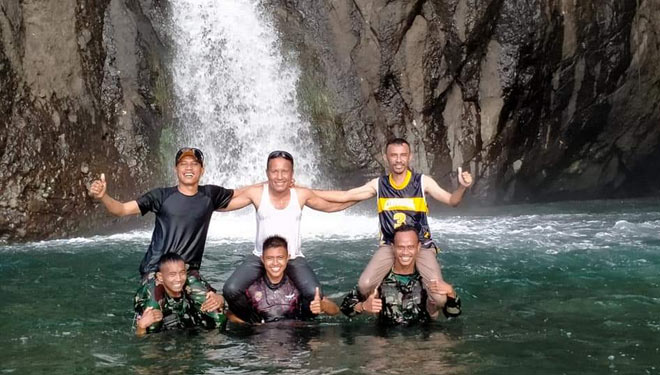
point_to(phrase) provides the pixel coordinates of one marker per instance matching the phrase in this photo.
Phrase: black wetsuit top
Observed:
(182, 222)
(274, 302)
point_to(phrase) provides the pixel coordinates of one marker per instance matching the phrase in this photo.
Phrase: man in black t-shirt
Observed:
(183, 214)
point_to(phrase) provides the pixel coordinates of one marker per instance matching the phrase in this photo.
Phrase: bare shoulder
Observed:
(254, 192)
(303, 192)
(428, 180)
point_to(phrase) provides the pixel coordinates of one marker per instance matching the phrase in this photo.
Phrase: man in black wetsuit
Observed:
(274, 296)
(183, 213)
(402, 297)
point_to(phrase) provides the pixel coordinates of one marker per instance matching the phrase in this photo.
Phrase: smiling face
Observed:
(280, 173)
(172, 275)
(398, 158)
(189, 171)
(275, 260)
(406, 248)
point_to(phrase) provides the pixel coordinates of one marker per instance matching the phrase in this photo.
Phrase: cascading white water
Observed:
(236, 93)
(236, 100)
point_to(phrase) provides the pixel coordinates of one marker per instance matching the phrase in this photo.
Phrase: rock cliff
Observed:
(77, 98)
(540, 99)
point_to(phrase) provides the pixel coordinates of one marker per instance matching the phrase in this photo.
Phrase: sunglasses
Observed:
(196, 153)
(280, 154)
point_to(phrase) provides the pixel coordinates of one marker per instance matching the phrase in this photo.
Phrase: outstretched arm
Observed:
(310, 199)
(357, 194)
(441, 195)
(243, 197)
(98, 191)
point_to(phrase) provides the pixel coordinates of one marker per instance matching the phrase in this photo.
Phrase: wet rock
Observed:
(60, 92)
(486, 84)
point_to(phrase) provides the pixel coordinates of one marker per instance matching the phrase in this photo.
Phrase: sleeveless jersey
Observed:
(284, 223)
(404, 204)
(274, 302)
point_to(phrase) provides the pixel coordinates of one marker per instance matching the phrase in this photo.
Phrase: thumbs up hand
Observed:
(464, 178)
(98, 188)
(373, 304)
(315, 306)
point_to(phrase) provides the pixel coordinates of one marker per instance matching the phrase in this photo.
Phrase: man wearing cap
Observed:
(183, 213)
(279, 210)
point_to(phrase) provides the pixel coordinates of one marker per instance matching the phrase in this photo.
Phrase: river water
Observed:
(548, 289)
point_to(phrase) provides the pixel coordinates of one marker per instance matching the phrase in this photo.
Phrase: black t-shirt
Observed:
(182, 222)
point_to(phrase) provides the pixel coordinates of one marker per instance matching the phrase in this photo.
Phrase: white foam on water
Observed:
(549, 234)
(314, 226)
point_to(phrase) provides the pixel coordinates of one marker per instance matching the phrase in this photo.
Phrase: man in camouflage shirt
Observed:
(402, 298)
(171, 302)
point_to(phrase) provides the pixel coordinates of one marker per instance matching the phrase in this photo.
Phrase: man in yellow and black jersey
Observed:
(401, 200)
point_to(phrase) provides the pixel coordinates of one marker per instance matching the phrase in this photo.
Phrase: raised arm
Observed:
(441, 195)
(308, 198)
(98, 191)
(357, 194)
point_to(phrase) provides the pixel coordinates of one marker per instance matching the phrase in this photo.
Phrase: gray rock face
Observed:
(541, 100)
(76, 100)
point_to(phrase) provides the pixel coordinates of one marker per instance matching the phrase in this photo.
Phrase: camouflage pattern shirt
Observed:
(182, 312)
(403, 297)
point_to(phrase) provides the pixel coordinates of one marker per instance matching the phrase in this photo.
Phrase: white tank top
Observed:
(284, 223)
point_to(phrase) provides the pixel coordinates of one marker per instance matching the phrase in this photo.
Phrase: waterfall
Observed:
(236, 100)
(236, 92)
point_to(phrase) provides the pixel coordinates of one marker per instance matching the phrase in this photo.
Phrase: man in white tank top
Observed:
(278, 210)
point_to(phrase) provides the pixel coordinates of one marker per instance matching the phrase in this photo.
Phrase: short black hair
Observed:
(274, 241)
(405, 228)
(169, 258)
(396, 141)
(279, 154)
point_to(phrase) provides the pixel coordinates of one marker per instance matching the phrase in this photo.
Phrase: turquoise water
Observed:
(548, 289)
